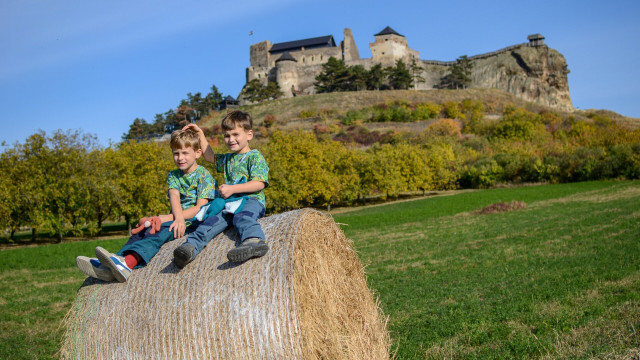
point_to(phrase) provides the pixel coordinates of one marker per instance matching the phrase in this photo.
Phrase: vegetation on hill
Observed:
(194, 107)
(326, 150)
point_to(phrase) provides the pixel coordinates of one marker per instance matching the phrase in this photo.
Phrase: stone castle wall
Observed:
(531, 70)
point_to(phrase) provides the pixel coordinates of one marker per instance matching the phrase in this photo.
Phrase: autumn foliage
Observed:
(65, 183)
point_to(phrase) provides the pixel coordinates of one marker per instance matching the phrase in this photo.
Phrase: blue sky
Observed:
(97, 65)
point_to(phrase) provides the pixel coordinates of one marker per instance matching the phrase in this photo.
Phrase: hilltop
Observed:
(303, 112)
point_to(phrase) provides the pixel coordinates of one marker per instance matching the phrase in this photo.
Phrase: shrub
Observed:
(305, 114)
(269, 120)
(426, 111)
(352, 116)
(444, 127)
(483, 174)
(451, 109)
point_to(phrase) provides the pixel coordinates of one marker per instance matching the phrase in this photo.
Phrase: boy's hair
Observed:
(181, 139)
(237, 118)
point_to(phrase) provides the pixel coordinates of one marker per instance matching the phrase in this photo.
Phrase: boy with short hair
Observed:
(190, 187)
(246, 174)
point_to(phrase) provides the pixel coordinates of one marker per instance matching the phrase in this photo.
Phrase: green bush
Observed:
(482, 174)
(426, 111)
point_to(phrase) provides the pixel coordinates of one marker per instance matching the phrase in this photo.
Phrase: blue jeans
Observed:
(245, 222)
(147, 245)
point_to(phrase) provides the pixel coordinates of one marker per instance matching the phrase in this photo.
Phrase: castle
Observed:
(531, 70)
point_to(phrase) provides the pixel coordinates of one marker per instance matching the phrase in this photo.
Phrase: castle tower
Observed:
(536, 40)
(259, 58)
(349, 49)
(287, 74)
(389, 46)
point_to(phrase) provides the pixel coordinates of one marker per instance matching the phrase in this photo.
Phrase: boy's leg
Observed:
(251, 234)
(199, 238)
(144, 244)
(147, 245)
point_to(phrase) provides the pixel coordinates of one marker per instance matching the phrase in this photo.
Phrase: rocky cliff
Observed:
(537, 74)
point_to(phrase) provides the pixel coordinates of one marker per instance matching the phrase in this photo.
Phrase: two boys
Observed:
(191, 187)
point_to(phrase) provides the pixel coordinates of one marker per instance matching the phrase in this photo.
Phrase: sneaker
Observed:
(183, 255)
(116, 263)
(250, 248)
(94, 268)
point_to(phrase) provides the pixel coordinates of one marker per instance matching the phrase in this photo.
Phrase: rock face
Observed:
(531, 71)
(537, 74)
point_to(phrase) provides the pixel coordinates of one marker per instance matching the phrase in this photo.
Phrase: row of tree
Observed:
(64, 182)
(337, 76)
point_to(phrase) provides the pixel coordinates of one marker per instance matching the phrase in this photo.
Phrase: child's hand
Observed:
(192, 127)
(226, 190)
(178, 227)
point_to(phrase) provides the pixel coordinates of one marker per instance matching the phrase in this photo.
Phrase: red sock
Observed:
(132, 260)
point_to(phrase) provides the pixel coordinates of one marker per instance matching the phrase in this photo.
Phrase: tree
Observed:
(375, 77)
(272, 91)
(399, 76)
(460, 76)
(357, 78)
(416, 73)
(141, 169)
(335, 76)
(254, 91)
(213, 99)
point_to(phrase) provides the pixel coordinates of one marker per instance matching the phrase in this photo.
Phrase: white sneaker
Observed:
(94, 268)
(116, 263)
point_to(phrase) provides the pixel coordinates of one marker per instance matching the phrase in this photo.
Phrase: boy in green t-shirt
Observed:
(191, 186)
(246, 174)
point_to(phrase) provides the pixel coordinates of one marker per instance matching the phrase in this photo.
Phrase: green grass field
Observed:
(559, 279)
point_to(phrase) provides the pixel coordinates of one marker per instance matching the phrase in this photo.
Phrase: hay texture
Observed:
(306, 299)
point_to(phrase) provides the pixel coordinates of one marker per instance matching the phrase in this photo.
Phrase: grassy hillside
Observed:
(290, 113)
(557, 279)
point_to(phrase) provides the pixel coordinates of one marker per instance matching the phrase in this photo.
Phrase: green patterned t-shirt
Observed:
(241, 168)
(198, 184)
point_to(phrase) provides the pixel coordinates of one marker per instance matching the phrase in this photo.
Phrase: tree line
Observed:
(65, 183)
(191, 109)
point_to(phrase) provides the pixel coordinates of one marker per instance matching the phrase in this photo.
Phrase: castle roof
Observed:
(286, 56)
(388, 31)
(311, 43)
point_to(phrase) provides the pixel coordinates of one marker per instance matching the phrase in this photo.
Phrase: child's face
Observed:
(237, 140)
(185, 159)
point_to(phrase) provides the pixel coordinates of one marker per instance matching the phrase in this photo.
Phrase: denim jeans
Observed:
(147, 245)
(245, 222)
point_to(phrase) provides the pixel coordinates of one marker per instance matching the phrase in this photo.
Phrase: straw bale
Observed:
(306, 299)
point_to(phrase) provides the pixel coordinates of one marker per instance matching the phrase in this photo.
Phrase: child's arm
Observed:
(207, 151)
(179, 225)
(251, 186)
(187, 213)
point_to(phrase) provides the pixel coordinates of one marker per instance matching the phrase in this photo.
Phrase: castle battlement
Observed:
(295, 65)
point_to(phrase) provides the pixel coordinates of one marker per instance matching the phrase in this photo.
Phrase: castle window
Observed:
(320, 57)
(312, 58)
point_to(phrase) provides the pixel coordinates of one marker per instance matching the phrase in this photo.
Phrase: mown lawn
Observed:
(558, 279)
(37, 287)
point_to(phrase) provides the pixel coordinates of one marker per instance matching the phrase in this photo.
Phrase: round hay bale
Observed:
(306, 299)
